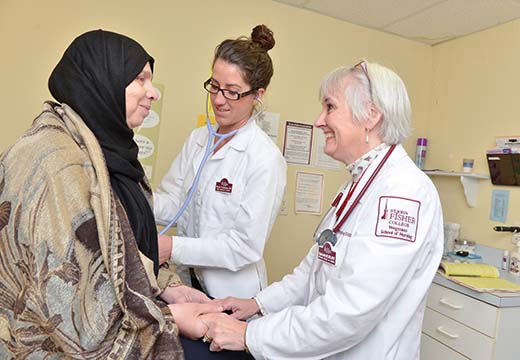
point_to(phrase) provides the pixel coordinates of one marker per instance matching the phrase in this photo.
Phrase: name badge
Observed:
(327, 254)
(223, 186)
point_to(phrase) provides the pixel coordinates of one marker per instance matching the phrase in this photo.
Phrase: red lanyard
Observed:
(361, 193)
(349, 195)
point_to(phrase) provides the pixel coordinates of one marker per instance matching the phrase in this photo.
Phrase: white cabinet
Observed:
(431, 349)
(457, 326)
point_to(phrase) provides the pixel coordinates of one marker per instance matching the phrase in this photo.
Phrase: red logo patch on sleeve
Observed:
(398, 218)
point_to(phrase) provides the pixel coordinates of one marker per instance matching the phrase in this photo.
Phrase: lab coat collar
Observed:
(239, 142)
(398, 154)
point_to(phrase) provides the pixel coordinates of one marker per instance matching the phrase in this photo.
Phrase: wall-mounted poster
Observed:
(297, 143)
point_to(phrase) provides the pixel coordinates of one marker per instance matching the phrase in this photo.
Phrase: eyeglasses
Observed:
(363, 66)
(228, 94)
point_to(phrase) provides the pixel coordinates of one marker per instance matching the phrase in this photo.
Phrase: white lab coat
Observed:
(223, 234)
(370, 305)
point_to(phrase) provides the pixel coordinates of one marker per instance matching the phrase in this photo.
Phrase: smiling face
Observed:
(345, 137)
(231, 114)
(139, 96)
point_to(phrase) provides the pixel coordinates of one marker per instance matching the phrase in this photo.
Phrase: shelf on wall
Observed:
(469, 182)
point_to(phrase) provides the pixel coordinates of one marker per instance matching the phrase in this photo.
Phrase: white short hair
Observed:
(383, 87)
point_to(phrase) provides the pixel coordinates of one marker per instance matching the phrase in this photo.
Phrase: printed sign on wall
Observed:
(147, 135)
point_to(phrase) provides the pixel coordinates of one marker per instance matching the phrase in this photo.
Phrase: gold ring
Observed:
(206, 339)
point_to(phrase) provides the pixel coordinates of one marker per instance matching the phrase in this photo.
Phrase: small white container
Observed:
(467, 165)
(420, 152)
(505, 260)
(451, 233)
(514, 264)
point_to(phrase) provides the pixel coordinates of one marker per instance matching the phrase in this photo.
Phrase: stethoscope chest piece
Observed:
(327, 236)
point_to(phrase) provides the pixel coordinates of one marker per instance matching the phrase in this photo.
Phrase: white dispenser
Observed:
(505, 260)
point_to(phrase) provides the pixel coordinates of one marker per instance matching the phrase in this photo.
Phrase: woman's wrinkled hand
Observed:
(225, 332)
(165, 243)
(187, 318)
(241, 309)
(184, 294)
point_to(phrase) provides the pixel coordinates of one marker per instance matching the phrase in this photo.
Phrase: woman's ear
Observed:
(259, 94)
(375, 117)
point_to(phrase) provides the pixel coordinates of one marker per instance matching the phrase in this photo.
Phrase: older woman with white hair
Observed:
(360, 292)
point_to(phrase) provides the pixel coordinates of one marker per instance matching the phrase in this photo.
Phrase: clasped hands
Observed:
(199, 317)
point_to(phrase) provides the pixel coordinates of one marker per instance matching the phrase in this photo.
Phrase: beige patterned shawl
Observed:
(72, 281)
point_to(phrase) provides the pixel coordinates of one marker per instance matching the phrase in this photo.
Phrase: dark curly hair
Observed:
(250, 55)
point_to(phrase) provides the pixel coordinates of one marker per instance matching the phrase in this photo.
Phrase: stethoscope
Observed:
(210, 148)
(329, 235)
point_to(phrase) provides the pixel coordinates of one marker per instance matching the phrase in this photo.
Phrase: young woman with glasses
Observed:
(221, 235)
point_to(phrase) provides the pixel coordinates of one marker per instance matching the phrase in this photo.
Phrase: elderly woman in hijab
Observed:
(78, 242)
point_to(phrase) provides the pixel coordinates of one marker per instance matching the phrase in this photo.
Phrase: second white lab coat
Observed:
(223, 234)
(370, 305)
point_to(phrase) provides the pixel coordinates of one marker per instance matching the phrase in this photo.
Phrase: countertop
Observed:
(499, 299)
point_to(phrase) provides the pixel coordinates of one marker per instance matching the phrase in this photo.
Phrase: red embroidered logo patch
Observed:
(398, 218)
(224, 186)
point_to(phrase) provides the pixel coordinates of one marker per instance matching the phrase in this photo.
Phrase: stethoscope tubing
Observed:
(209, 150)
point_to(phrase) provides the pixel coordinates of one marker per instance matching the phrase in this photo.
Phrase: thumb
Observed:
(237, 315)
(209, 308)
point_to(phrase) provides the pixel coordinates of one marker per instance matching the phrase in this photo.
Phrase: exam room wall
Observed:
(182, 37)
(475, 98)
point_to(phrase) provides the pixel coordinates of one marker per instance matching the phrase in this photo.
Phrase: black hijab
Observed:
(91, 78)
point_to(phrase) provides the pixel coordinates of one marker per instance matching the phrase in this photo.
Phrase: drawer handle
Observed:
(447, 333)
(450, 305)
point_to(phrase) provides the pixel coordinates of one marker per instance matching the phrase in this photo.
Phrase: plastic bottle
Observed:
(514, 264)
(420, 152)
(505, 260)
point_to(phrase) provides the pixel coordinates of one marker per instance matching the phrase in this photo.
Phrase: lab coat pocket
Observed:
(226, 199)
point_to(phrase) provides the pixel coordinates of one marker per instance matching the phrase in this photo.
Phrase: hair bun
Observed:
(263, 36)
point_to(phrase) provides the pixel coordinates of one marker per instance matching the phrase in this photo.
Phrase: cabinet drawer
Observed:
(473, 313)
(462, 339)
(431, 349)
